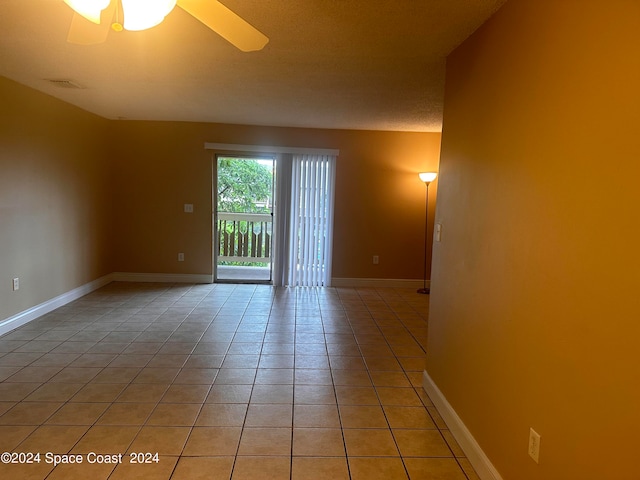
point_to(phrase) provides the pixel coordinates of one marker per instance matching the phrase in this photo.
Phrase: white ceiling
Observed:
(347, 64)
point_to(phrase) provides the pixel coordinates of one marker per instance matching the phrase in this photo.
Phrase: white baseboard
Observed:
(377, 283)
(206, 278)
(479, 460)
(162, 277)
(32, 313)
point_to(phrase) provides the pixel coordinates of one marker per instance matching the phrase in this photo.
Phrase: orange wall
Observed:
(54, 198)
(379, 205)
(534, 318)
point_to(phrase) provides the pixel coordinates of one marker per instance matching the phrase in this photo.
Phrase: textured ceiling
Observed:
(347, 64)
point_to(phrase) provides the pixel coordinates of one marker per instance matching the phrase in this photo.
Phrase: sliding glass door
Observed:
(243, 219)
(272, 228)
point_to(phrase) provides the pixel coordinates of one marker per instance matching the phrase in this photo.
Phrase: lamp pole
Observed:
(427, 178)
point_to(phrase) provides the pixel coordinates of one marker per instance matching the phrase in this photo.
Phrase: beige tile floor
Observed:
(225, 381)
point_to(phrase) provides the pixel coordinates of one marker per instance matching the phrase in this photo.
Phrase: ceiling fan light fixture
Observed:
(144, 14)
(89, 9)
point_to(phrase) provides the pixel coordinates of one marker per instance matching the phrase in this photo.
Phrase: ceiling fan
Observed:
(93, 18)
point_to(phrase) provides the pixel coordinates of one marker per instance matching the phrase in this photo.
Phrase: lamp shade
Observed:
(144, 14)
(428, 177)
(89, 9)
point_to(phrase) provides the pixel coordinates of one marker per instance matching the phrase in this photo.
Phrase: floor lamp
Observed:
(427, 178)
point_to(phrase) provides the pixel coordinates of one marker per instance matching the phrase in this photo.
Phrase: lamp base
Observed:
(424, 290)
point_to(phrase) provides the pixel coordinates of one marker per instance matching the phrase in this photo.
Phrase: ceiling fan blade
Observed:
(85, 32)
(225, 23)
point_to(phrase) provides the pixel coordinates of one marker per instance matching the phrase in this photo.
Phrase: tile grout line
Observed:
(309, 306)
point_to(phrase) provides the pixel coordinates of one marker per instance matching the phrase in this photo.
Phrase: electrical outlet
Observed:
(534, 445)
(16, 284)
(188, 208)
(181, 257)
(376, 259)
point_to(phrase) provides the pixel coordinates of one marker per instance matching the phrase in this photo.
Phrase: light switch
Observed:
(188, 208)
(438, 232)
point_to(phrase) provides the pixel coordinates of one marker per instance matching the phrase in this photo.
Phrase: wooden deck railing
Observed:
(244, 237)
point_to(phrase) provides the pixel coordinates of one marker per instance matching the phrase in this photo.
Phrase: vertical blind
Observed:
(311, 220)
(303, 220)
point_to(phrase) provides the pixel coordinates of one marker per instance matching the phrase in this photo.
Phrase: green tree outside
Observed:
(244, 185)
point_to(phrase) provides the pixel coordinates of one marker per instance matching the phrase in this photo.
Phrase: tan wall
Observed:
(82, 196)
(535, 318)
(54, 198)
(379, 199)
